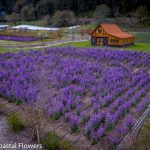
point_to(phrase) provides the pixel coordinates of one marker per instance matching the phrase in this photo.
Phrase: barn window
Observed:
(99, 31)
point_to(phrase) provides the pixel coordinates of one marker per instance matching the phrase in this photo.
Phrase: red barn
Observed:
(110, 35)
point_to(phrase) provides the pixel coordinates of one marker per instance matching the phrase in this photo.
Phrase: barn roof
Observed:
(114, 30)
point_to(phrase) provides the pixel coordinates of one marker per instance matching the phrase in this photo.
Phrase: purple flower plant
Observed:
(74, 123)
(129, 122)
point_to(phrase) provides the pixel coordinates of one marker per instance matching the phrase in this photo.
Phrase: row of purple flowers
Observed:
(18, 38)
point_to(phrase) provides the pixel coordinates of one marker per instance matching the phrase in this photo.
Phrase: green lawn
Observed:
(77, 44)
(137, 46)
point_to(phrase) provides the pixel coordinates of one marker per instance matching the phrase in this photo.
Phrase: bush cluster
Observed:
(15, 122)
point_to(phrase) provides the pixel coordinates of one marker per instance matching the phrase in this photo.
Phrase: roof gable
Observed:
(95, 29)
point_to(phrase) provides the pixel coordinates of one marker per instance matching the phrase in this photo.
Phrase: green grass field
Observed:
(137, 46)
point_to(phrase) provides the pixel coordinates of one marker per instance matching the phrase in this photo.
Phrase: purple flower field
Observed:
(98, 92)
(18, 38)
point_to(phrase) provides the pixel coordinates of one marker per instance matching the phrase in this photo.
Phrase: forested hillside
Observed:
(78, 6)
(29, 10)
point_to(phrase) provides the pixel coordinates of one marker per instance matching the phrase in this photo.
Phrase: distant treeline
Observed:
(79, 7)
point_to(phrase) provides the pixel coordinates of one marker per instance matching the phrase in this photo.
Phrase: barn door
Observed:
(105, 41)
(98, 41)
(101, 41)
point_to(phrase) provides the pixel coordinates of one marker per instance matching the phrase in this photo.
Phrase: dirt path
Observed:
(9, 137)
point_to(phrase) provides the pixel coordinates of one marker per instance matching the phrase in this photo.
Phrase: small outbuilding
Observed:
(110, 35)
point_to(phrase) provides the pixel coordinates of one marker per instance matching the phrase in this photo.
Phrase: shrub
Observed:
(18, 102)
(15, 122)
(51, 141)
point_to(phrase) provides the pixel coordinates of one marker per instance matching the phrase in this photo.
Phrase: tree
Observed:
(101, 13)
(25, 13)
(18, 6)
(79, 7)
(63, 18)
(141, 12)
(44, 7)
(84, 6)
(48, 19)
(31, 15)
